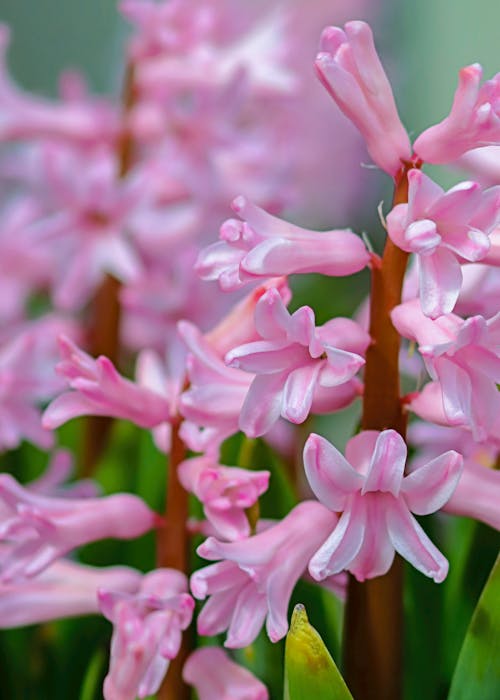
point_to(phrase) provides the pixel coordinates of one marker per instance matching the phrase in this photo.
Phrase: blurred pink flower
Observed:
(216, 677)
(376, 501)
(474, 120)
(147, 633)
(63, 589)
(42, 529)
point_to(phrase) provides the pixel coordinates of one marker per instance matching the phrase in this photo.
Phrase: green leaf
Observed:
(477, 674)
(310, 671)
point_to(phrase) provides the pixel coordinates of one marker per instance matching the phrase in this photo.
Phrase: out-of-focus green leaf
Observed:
(93, 677)
(477, 674)
(310, 671)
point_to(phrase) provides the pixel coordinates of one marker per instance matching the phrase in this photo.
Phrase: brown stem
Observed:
(105, 323)
(173, 552)
(373, 625)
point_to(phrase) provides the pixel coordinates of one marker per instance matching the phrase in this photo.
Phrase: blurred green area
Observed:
(425, 44)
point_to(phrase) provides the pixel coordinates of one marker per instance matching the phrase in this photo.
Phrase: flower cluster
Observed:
(111, 215)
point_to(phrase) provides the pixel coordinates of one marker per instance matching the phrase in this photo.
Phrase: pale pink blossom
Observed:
(473, 121)
(42, 529)
(257, 576)
(96, 388)
(484, 164)
(212, 403)
(24, 264)
(147, 633)
(26, 379)
(464, 356)
(480, 293)
(89, 210)
(477, 494)
(52, 482)
(63, 589)
(350, 69)
(443, 229)
(377, 503)
(216, 677)
(293, 360)
(261, 245)
(225, 492)
(78, 119)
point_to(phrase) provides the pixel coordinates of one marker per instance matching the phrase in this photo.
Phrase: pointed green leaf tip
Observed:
(477, 674)
(310, 671)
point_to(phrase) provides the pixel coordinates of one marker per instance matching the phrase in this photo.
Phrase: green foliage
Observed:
(477, 674)
(310, 671)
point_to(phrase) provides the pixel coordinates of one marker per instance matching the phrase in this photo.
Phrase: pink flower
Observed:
(264, 246)
(212, 404)
(91, 209)
(99, 390)
(42, 529)
(477, 494)
(293, 360)
(351, 71)
(443, 230)
(225, 493)
(216, 677)
(464, 356)
(256, 577)
(147, 632)
(376, 501)
(474, 120)
(52, 482)
(64, 589)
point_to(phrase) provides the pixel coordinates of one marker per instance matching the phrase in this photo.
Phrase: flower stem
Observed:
(373, 625)
(173, 552)
(104, 330)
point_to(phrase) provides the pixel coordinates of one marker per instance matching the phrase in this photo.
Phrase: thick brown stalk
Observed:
(173, 552)
(373, 626)
(105, 319)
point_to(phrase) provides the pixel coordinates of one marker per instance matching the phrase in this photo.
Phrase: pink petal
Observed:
(412, 543)
(440, 282)
(330, 475)
(429, 487)
(387, 464)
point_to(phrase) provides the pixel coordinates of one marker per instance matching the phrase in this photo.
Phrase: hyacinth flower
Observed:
(377, 503)
(477, 494)
(225, 492)
(52, 482)
(443, 229)
(90, 211)
(147, 633)
(96, 388)
(42, 529)
(63, 589)
(26, 378)
(293, 361)
(212, 403)
(261, 245)
(350, 69)
(84, 121)
(464, 357)
(256, 576)
(216, 677)
(473, 121)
